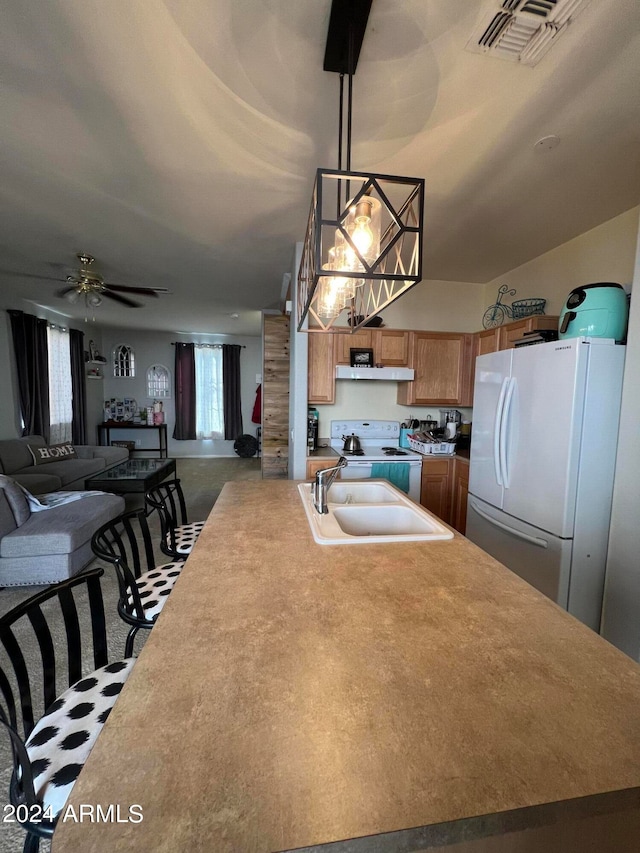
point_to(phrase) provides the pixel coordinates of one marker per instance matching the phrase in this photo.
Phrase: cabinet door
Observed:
(512, 332)
(362, 339)
(487, 341)
(443, 362)
(321, 370)
(459, 492)
(390, 347)
(435, 491)
(314, 465)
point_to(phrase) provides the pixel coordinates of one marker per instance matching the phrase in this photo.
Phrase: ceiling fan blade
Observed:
(122, 299)
(121, 288)
(147, 291)
(31, 275)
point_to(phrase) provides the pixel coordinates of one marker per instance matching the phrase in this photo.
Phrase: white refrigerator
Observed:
(545, 428)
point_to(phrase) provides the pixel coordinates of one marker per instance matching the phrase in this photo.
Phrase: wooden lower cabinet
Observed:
(445, 483)
(314, 465)
(459, 492)
(435, 491)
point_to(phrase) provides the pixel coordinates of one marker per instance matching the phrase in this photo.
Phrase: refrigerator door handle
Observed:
(497, 429)
(534, 540)
(504, 432)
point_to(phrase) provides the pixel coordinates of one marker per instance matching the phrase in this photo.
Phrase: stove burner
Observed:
(393, 451)
(353, 452)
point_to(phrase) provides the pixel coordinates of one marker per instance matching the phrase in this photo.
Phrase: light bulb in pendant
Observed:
(363, 235)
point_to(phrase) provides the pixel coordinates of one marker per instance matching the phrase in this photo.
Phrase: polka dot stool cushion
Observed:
(62, 739)
(185, 537)
(155, 586)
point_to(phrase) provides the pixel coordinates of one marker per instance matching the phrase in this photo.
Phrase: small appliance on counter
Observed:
(312, 429)
(596, 311)
(450, 420)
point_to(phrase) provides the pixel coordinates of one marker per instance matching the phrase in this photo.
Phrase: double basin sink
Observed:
(369, 511)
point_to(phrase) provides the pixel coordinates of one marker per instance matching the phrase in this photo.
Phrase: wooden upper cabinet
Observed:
(487, 341)
(321, 368)
(390, 347)
(512, 332)
(345, 341)
(442, 362)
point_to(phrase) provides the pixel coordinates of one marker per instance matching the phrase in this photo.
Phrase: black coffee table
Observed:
(132, 476)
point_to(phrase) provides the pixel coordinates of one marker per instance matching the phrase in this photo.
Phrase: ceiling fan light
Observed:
(72, 296)
(94, 299)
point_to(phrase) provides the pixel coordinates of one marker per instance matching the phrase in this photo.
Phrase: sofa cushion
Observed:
(38, 483)
(7, 519)
(44, 455)
(111, 455)
(16, 499)
(69, 470)
(62, 529)
(14, 452)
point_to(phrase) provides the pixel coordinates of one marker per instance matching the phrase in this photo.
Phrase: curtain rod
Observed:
(173, 343)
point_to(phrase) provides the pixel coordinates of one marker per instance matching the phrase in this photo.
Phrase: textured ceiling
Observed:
(177, 142)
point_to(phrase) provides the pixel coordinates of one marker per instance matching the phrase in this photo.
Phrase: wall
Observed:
(606, 253)
(152, 347)
(621, 613)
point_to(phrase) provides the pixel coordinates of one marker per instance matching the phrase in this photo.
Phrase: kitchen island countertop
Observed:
(407, 697)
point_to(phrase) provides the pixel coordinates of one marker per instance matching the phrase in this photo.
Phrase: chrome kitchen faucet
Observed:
(323, 482)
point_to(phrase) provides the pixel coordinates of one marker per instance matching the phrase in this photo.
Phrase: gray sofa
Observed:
(51, 545)
(68, 474)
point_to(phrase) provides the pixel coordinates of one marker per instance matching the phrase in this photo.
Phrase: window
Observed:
(209, 400)
(124, 361)
(158, 382)
(60, 390)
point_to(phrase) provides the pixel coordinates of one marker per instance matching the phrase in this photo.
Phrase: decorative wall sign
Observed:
(361, 357)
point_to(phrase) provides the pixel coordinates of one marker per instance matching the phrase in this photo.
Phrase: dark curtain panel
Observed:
(32, 363)
(185, 383)
(78, 388)
(231, 390)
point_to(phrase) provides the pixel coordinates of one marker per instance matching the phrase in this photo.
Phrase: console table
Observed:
(104, 435)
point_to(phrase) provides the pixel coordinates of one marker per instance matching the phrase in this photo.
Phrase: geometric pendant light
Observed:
(363, 243)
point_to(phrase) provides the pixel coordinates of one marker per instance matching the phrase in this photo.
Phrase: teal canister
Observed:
(404, 440)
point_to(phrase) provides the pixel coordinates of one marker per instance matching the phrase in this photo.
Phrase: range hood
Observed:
(393, 374)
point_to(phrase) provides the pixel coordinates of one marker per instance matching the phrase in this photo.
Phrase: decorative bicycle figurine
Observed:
(495, 314)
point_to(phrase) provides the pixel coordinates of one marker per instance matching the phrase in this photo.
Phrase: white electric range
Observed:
(380, 442)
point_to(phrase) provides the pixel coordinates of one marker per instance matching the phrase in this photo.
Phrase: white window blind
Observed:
(209, 400)
(60, 392)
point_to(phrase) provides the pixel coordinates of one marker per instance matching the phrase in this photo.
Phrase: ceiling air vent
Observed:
(523, 30)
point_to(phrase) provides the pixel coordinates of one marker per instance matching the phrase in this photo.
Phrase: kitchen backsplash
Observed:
(356, 400)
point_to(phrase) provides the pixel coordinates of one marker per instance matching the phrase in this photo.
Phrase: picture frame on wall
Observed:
(361, 357)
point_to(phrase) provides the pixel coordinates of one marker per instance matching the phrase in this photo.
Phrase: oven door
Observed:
(360, 469)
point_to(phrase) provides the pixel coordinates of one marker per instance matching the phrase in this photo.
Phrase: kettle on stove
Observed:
(351, 443)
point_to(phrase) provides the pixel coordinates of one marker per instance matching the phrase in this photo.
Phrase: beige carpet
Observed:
(202, 481)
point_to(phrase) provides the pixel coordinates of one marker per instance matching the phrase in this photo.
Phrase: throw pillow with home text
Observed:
(53, 453)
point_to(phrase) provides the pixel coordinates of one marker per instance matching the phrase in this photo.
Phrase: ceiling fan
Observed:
(87, 283)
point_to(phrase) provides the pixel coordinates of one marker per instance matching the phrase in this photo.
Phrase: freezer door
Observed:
(542, 560)
(542, 432)
(491, 384)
